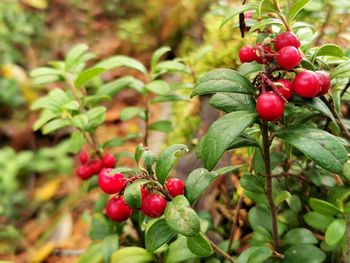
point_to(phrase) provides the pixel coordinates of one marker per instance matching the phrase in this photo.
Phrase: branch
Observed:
(345, 89)
(281, 15)
(235, 221)
(220, 251)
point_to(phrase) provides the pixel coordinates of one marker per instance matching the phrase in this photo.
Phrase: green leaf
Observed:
(172, 66)
(44, 71)
(80, 121)
(157, 55)
(196, 183)
(229, 102)
(76, 142)
(115, 142)
(265, 6)
(335, 231)
(148, 160)
(265, 22)
(317, 220)
(281, 197)
(237, 11)
(162, 126)
(338, 195)
(101, 203)
(54, 125)
(87, 75)
(96, 117)
(39, 81)
(222, 80)
(109, 245)
(255, 254)
(45, 116)
(122, 61)
(93, 254)
(303, 253)
(100, 227)
(321, 147)
(222, 134)
(167, 160)
(323, 207)
(113, 87)
(320, 177)
(158, 234)
(328, 50)
(138, 153)
(130, 112)
(243, 140)
(199, 245)
(132, 193)
(299, 236)
(74, 54)
(295, 9)
(168, 98)
(179, 251)
(93, 100)
(181, 217)
(160, 87)
(71, 105)
(131, 254)
(253, 183)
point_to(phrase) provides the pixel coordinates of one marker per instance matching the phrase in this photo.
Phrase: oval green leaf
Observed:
(335, 231)
(199, 245)
(158, 234)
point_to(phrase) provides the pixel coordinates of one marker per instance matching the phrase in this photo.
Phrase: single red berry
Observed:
(84, 172)
(288, 57)
(144, 192)
(325, 82)
(117, 209)
(108, 160)
(111, 183)
(307, 84)
(95, 166)
(268, 53)
(270, 106)
(249, 14)
(287, 89)
(153, 205)
(286, 39)
(175, 186)
(84, 156)
(247, 54)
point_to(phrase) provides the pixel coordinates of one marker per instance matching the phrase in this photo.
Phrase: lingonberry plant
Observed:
(284, 107)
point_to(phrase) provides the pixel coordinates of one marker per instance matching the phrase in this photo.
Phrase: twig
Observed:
(220, 251)
(330, 106)
(344, 90)
(235, 221)
(281, 15)
(269, 193)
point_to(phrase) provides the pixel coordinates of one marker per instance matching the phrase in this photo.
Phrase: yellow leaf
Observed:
(39, 4)
(39, 255)
(47, 191)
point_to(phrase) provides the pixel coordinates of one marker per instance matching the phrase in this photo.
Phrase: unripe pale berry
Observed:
(111, 183)
(286, 39)
(153, 205)
(288, 57)
(247, 54)
(307, 84)
(270, 106)
(117, 209)
(287, 89)
(108, 160)
(175, 186)
(325, 82)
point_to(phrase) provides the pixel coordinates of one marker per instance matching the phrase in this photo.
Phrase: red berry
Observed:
(247, 54)
(268, 52)
(95, 166)
(111, 184)
(248, 14)
(84, 172)
(153, 205)
(286, 39)
(144, 192)
(270, 106)
(108, 160)
(84, 156)
(288, 57)
(175, 186)
(325, 82)
(117, 209)
(287, 89)
(307, 84)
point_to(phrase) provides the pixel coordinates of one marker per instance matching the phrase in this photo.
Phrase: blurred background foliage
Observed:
(36, 179)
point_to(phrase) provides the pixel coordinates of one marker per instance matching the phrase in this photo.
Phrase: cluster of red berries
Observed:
(282, 51)
(88, 167)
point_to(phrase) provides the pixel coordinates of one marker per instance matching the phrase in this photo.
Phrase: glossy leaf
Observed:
(132, 193)
(229, 102)
(196, 183)
(253, 183)
(113, 87)
(295, 9)
(157, 55)
(255, 254)
(93, 254)
(179, 251)
(87, 75)
(222, 80)
(167, 160)
(131, 254)
(158, 234)
(303, 253)
(222, 134)
(122, 61)
(158, 87)
(181, 217)
(74, 54)
(317, 220)
(335, 231)
(199, 245)
(323, 207)
(109, 245)
(321, 147)
(54, 125)
(328, 50)
(100, 227)
(130, 112)
(161, 126)
(299, 236)
(266, 22)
